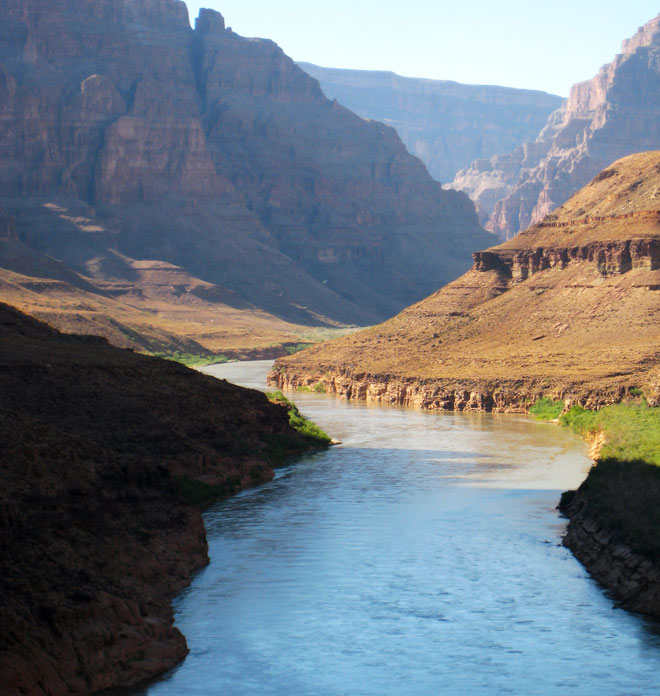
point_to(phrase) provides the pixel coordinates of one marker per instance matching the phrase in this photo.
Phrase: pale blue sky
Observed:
(547, 44)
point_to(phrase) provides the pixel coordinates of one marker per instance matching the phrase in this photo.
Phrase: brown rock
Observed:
(613, 115)
(566, 309)
(216, 154)
(104, 453)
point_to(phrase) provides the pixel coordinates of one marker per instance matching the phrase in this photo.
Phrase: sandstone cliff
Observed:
(567, 309)
(103, 454)
(615, 114)
(126, 135)
(446, 124)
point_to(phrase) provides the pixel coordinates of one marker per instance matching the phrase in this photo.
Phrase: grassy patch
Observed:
(310, 431)
(191, 359)
(318, 388)
(297, 348)
(546, 409)
(632, 431)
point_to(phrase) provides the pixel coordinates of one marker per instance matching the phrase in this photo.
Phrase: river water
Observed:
(421, 556)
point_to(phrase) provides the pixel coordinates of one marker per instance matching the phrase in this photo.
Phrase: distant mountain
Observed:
(446, 124)
(568, 309)
(128, 138)
(617, 113)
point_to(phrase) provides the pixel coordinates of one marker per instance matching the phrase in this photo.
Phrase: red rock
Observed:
(615, 114)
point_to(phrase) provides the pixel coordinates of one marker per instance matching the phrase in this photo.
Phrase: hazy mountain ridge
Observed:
(615, 114)
(446, 124)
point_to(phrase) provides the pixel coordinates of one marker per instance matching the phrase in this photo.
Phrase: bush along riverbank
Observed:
(614, 516)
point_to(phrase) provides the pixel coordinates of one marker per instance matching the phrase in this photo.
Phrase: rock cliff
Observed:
(125, 132)
(446, 124)
(566, 309)
(615, 114)
(104, 455)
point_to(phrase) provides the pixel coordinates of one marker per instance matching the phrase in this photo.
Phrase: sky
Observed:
(547, 44)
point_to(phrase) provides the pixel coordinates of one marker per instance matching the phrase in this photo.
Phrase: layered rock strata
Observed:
(125, 131)
(613, 115)
(446, 124)
(566, 309)
(104, 455)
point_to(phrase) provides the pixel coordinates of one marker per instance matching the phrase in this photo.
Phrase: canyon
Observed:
(158, 166)
(608, 117)
(446, 124)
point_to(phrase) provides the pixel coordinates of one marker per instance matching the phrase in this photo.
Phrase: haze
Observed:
(543, 45)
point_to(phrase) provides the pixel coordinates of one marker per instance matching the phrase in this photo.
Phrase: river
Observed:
(421, 556)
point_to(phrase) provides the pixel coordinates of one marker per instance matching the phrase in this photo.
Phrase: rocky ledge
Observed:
(105, 458)
(613, 531)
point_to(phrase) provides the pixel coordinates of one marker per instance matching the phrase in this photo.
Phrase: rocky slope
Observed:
(568, 309)
(128, 137)
(103, 454)
(615, 114)
(613, 531)
(446, 124)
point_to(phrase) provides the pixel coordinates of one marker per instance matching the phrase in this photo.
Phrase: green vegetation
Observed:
(631, 431)
(319, 388)
(311, 432)
(192, 359)
(297, 348)
(546, 409)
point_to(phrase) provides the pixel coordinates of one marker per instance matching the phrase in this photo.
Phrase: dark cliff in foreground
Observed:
(446, 124)
(127, 137)
(104, 455)
(615, 114)
(568, 308)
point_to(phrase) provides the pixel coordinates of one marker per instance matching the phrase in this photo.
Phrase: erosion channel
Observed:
(421, 556)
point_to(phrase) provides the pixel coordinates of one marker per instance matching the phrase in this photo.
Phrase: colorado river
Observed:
(420, 557)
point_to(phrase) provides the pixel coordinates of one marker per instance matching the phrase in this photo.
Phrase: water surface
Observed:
(421, 556)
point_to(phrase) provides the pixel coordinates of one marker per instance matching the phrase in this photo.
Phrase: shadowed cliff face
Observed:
(101, 453)
(567, 308)
(446, 124)
(615, 114)
(125, 130)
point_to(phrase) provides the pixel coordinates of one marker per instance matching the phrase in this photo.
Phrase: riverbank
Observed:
(106, 458)
(614, 516)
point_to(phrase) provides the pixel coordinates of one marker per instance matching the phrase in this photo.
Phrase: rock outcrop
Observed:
(613, 531)
(125, 131)
(566, 309)
(613, 115)
(104, 456)
(446, 124)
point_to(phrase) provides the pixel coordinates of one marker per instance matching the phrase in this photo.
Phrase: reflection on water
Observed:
(422, 556)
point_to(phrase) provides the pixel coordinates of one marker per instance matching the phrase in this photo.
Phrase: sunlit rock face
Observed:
(214, 152)
(617, 113)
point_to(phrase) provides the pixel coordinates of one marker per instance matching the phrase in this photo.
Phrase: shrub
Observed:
(546, 409)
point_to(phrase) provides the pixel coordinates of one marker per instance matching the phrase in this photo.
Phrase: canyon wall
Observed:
(615, 114)
(446, 124)
(125, 133)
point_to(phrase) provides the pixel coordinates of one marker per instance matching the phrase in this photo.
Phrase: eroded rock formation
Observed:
(567, 309)
(124, 130)
(617, 113)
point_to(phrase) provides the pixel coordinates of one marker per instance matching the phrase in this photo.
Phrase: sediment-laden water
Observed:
(421, 556)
